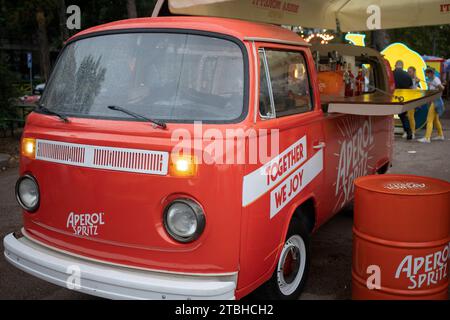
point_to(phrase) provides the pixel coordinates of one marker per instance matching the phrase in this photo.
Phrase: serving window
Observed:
(340, 93)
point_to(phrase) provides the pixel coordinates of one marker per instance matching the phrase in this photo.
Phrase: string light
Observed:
(325, 38)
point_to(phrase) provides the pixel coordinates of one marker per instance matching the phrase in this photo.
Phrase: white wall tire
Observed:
(288, 284)
(291, 265)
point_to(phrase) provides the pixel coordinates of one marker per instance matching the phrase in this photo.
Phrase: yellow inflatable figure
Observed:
(394, 52)
(410, 58)
(356, 39)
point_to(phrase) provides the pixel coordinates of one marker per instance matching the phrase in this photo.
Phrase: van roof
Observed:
(241, 29)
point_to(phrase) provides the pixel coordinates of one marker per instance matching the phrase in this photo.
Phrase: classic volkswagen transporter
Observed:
(192, 158)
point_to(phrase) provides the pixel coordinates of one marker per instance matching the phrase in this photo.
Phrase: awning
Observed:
(351, 15)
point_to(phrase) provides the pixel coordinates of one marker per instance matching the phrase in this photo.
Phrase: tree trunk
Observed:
(62, 20)
(380, 39)
(131, 8)
(44, 50)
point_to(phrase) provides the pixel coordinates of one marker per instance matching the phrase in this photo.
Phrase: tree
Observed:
(44, 50)
(7, 88)
(431, 40)
(62, 20)
(131, 9)
(379, 39)
(28, 21)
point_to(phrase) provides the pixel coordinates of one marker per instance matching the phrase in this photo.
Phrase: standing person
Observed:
(411, 113)
(403, 81)
(415, 80)
(436, 109)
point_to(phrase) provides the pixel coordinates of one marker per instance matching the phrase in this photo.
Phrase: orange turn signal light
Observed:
(29, 148)
(183, 165)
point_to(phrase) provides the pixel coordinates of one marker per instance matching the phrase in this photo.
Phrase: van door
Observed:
(289, 116)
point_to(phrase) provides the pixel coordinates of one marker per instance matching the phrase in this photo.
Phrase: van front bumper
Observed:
(111, 281)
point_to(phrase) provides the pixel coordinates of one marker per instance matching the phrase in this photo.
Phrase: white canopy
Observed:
(351, 15)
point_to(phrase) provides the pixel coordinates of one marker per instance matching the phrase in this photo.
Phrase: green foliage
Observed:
(8, 90)
(95, 12)
(18, 18)
(19, 26)
(424, 40)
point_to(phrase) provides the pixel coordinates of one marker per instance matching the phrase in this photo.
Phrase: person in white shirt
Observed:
(436, 109)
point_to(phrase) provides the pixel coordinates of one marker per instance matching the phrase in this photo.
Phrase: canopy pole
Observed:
(338, 23)
(338, 26)
(157, 8)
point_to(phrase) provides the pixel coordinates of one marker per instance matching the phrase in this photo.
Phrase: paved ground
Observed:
(330, 276)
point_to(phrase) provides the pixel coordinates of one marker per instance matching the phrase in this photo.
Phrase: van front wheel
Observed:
(289, 277)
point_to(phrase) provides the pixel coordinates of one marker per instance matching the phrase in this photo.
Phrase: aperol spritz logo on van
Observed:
(357, 142)
(85, 224)
(227, 146)
(424, 271)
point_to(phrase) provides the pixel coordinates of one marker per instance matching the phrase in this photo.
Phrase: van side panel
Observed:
(356, 146)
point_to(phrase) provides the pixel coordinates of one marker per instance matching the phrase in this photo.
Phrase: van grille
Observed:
(141, 161)
(118, 159)
(59, 152)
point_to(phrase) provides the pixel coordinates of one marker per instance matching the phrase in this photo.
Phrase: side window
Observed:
(289, 83)
(265, 93)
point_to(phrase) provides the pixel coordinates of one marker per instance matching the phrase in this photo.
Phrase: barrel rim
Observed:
(401, 244)
(359, 180)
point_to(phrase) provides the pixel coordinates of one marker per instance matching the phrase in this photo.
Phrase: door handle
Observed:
(319, 146)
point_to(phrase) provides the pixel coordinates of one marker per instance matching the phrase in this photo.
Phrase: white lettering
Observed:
(424, 270)
(85, 224)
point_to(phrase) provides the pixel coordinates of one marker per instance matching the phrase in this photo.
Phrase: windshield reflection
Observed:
(161, 76)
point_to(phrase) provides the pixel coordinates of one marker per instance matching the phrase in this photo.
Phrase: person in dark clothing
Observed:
(403, 81)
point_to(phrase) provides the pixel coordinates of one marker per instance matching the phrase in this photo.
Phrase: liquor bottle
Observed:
(359, 83)
(348, 81)
(339, 64)
(345, 77)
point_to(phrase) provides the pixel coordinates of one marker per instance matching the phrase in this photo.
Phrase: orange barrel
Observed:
(401, 238)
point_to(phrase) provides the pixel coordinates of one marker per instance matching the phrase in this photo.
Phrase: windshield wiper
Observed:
(52, 113)
(157, 123)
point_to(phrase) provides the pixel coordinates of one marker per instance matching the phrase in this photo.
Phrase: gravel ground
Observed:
(330, 276)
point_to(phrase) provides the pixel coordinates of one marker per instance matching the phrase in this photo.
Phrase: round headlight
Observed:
(27, 193)
(184, 220)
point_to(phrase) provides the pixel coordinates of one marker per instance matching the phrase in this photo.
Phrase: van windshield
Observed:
(165, 76)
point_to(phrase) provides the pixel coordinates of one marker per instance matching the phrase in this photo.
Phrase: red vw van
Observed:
(132, 176)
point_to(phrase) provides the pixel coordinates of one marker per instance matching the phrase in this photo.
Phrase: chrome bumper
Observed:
(113, 282)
